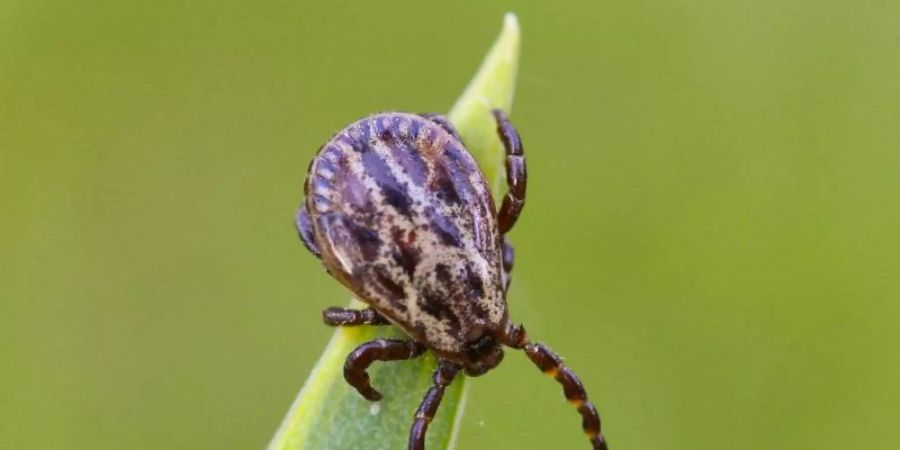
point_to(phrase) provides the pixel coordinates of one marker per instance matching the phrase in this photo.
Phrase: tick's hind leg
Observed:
(443, 376)
(340, 317)
(443, 122)
(516, 175)
(552, 365)
(378, 350)
(509, 258)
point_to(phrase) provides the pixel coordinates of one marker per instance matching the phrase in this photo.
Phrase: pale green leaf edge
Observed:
(493, 86)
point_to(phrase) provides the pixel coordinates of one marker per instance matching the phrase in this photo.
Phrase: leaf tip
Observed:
(511, 25)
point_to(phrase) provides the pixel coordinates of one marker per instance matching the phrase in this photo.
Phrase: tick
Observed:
(399, 213)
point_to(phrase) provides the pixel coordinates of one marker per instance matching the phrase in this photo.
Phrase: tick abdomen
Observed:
(399, 213)
(404, 218)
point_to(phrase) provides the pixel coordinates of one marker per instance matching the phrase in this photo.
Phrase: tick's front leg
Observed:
(552, 365)
(378, 350)
(443, 376)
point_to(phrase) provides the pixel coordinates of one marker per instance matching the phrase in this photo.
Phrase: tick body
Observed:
(398, 212)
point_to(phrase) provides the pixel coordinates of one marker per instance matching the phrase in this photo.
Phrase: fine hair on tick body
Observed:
(398, 211)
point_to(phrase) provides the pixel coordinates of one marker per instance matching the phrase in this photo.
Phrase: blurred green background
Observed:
(710, 238)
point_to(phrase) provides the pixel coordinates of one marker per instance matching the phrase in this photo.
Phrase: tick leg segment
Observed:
(443, 122)
(516, 175)
(509, 257)
(340, 317)
(304, 228)
(552, 365)
(378, 350)
(443, 376)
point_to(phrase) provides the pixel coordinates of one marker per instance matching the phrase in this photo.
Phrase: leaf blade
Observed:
(493, 86)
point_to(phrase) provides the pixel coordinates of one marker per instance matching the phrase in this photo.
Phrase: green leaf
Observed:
(492, 87)
(330, 415)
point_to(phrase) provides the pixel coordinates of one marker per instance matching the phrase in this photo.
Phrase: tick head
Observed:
(483, 354)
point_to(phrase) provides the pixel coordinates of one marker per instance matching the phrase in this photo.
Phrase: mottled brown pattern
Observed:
(394, 198)
(399, 213)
